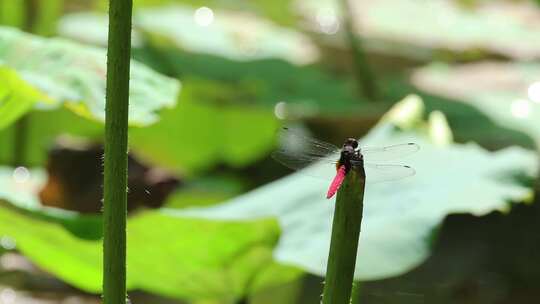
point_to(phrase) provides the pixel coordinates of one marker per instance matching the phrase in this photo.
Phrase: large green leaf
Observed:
(21, 186)
(266, 77)
(74, 74)
(196, 135)
(266, 81)
(417, 28)
(207, 190)
(280, 11)
(237, 36)
(189, 137)
(507, 92)
(233, 35)
(19, 192)
(16, 97)
(168, 254)
(43, 127)
(305, 91)
(400, 216)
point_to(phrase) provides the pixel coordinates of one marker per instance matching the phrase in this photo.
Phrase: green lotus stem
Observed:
(536, 185)
(344, 241)
(25, 13)
(31, 8)
(355, 295)
(364, 74)
(12, 13)
(20, 140)
(47, 14)
(116, 131)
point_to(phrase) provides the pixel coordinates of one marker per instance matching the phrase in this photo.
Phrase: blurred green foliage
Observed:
(279, 11)
(216, 135)
(509, 101)
(215, 259)
(232, 134)
(399, 216)
(16, 97)
(74, 75)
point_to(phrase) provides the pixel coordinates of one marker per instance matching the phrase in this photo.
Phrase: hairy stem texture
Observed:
(116, 126)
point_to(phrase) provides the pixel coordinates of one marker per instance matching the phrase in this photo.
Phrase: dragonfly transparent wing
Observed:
(388, 152)
(293, 142)
(376, 173)
(300, 161)
(298, 151)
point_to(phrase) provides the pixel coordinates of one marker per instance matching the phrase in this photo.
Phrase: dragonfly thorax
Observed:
(349, 154)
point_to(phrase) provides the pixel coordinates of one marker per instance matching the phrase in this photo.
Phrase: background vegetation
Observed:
(212, 218)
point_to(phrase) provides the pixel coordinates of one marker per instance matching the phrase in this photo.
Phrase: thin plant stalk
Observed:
(116, 137)
(48, 12)
(31, 7)
(26, 20)
(32, 18)
(344, 241)
(364, 74)
(20, 139)
(12, 13)
(536, 185)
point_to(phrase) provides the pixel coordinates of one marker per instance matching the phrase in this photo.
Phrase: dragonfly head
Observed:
(349, 153)
(351, 142)
(349, 147)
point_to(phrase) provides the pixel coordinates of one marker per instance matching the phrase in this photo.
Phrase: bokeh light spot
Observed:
(534, 92)
(7, 296)
(7, 243)
(204, 16)
(327, 21)
(280, 110)
(21, 175)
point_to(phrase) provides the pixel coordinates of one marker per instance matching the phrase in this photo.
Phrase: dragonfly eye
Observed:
(348, 150)
(351, 142)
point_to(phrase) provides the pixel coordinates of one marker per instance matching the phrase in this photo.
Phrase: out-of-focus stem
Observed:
(12, 13)
(20, 138)
(46, 15)
(364, 74)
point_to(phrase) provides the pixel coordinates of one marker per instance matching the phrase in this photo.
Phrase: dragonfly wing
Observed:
(382, 173)
(388, 152)
(298, 161)
(325, 170)
(293, 142)
(298, 151)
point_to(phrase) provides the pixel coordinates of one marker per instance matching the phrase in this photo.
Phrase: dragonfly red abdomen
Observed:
(336, 183)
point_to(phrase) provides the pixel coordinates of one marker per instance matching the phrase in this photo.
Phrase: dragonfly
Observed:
(299, 151)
